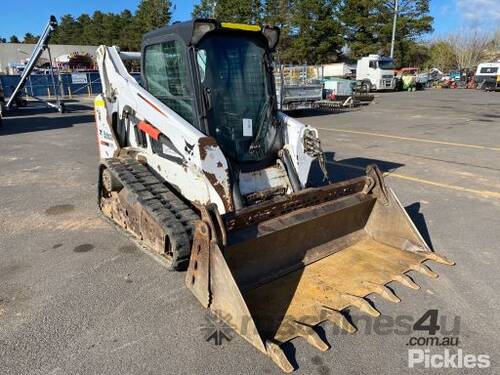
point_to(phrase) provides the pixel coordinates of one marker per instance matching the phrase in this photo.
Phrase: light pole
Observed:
(396, 4)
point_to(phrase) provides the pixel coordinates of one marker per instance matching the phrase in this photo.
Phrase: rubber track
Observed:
(174, 215)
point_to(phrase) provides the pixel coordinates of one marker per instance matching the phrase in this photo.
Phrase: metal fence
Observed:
(40, 85)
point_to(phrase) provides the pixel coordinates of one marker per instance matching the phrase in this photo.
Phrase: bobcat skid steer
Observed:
(199, 166)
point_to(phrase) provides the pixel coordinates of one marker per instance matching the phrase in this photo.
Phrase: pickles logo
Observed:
(447, 359)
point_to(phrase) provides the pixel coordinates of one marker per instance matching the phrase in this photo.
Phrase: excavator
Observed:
(200, 167)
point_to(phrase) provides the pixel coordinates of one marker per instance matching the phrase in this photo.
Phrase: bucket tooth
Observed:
(336, 318)
(278, 356)
(382, 291)
(423, 269)
(310, 335)
(361, 304)
(406, 281)
(436, 257)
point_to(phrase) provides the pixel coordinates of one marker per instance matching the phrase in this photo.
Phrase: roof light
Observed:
(240, 26)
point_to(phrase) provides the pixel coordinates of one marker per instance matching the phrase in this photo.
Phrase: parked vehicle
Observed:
(409, 79)
(487, 71)
(376, 72)
(298, 87)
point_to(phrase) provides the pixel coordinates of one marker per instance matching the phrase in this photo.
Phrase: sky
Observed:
(20, 17)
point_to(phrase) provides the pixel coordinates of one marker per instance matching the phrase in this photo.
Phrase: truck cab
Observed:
(487, 73)
(376, 72)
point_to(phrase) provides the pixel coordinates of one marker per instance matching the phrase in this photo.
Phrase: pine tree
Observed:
(152, 14)
(368, 25)
(206, 9)
(126, 30)
(362, 26)
(68, 31)
(14, 39)
(278, 13)
(240, 11)
(85, 22)
(30, 38)
(316, 34)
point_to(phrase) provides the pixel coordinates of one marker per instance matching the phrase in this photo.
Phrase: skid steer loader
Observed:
(200, 167)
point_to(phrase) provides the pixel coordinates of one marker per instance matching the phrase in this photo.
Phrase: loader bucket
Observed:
(274, 271)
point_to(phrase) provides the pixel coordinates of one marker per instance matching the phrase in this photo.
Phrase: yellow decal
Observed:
(240, 26)
(99, 103)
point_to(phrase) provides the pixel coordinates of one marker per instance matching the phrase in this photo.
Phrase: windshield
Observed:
(236, 83)
(386, 64)
(488, 70)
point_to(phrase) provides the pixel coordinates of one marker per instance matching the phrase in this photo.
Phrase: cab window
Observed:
(166, 76)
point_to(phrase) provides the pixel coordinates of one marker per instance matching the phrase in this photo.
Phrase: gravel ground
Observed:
(77, 296)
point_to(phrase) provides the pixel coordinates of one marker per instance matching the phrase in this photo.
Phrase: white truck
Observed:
(376, 72)
(487, 72)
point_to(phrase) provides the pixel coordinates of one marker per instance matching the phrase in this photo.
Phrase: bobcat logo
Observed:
(215, 329)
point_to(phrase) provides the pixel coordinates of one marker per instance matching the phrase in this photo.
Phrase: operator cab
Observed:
(219, 78)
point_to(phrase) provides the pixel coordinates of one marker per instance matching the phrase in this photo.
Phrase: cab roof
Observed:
(185, 31)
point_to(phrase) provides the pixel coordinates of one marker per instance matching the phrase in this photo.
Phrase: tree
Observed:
(68, 31)
(493, 51)
(30, 38)
(206, 9)
(240, 11)
(361, 22)
(368, 25)
(3, 40)
(126, 30)
(411, 53)
(496, 40)
(14, 39)
(123, 29)
(441, 56)
(153, 14)
(85, 25)
(469, 47)
(315, 34)
(279, 13)
(150, 15)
